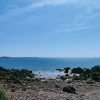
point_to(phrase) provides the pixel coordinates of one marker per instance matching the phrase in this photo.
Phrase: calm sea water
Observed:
(47, 64)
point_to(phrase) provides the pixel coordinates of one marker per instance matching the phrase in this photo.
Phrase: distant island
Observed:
(5, 57)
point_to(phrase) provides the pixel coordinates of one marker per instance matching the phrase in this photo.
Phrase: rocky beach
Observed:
(52, 90)
(23, 85)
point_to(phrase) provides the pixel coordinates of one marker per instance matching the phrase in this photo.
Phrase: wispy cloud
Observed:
(31, 7)
(89, 5)
(64, 30)
(71, 29)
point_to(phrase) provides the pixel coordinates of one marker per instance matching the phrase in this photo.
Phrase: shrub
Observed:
(96, 77)
(2, 69)
(56, 86)
(3, 96)
(77, 70)
(95, 69)
(66, 69)
(69, 89)
(63, 78)
(86, 74)
(77, 78)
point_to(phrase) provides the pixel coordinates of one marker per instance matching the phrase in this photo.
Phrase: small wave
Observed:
(48, 74)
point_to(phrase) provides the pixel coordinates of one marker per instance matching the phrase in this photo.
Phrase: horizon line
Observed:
(42, 57)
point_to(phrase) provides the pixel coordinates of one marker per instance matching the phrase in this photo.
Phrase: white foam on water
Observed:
(48, 74)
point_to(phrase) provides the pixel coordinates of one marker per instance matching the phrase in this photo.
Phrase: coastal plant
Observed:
(96, 76)
(77, 78)
(2, 69)
(66, 69)
(95, 69)
(77, 70)
(3, 95)
(56, 86)
(63, 78)
(69, 89)
(86, 74)
(16, 76)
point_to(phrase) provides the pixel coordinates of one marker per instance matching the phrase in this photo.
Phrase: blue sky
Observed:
(50, 28)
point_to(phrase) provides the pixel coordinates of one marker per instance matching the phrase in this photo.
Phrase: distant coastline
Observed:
(5, 57)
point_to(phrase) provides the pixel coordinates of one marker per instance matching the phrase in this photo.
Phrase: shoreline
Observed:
(24, 85)
(36, 64)
(48, 74)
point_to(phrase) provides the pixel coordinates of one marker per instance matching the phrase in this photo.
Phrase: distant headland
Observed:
(5, 57)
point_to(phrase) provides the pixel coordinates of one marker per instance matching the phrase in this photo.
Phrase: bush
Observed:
(77, 78)
(56, 86)
(3, 96)
(63, 78)
(66, 69)
(95, 69)
(96, 77)
(86, 74)
(69, 89)
(2, 69)
(77, 70)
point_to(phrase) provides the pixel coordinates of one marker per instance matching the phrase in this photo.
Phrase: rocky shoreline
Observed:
(25, 86)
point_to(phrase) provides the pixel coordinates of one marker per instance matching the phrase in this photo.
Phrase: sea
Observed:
(47, 66)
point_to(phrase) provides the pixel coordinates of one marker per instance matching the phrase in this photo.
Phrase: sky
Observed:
(50, 28)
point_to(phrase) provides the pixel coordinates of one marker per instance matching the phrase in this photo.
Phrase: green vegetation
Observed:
(69, 89)
(56, 86)
(15, 76)
(77, 70)
(84, 73)
(93, 73)
(95, 69)
(2, 95)
(66, 69)
(25, 76)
